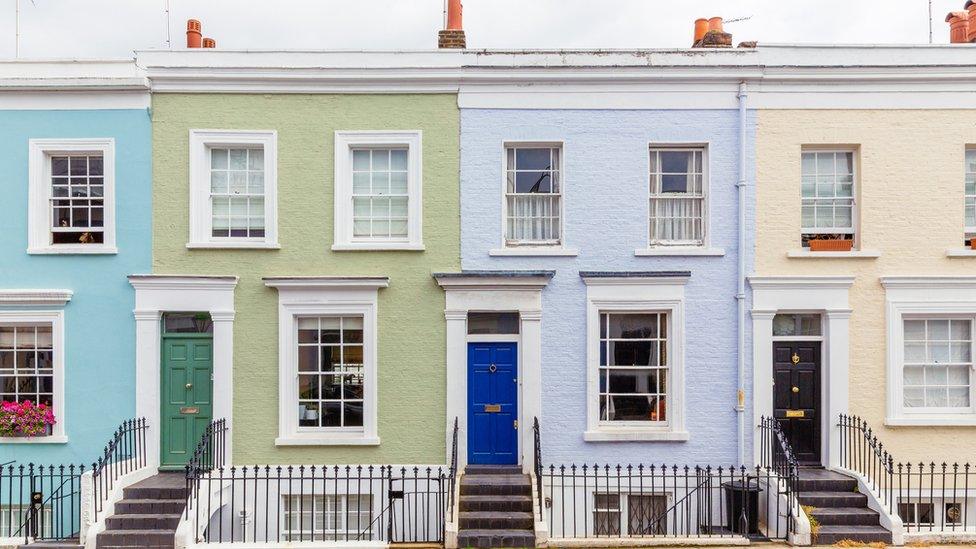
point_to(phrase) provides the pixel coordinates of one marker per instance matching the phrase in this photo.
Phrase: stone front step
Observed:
(822, 480)
(150, 506)
(496, 503)
(496, 485)
(495, 520)
(153, 492)
(493, 470)
(142, 522)
(485, 539)
(829, 535)
(833, 499)
(115, 539)
(849, 516)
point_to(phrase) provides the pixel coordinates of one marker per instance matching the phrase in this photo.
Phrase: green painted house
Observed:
(299, 216)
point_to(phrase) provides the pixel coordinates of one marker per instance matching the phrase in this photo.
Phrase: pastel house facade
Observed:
(600, 252)
(76, 216)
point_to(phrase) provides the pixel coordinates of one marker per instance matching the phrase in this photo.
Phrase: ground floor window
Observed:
(27, 364)
(321, 517)
(646, 514)
(938, 363)
(330, 371)
(634, 367)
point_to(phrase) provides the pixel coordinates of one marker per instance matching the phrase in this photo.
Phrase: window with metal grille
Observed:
(323, 517)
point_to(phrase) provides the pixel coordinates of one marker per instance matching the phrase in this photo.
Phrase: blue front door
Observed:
(492, 403)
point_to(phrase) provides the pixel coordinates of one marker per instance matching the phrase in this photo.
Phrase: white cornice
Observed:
(30, 298)
(182, 282)
(327, 282)
(529, 281)
(929, 282)
(800, 282)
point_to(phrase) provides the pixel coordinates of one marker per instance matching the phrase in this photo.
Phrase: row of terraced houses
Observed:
(478, 298)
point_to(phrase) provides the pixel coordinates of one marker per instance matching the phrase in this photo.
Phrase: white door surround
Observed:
(825, 295)
(158, 294)
(494, 291)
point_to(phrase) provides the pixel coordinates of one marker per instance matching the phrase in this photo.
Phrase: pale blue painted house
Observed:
(75, 176)
(600, 223)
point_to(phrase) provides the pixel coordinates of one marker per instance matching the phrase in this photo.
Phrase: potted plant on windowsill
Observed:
(25, 419)
(830, 243)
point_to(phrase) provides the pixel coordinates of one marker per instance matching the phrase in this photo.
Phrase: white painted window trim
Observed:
(201, 218)
(664, 248)
(608, 294)
(531, 249)
(345, 141)
(926, 296)
(54, 317)
(325, 296)
(39, 215)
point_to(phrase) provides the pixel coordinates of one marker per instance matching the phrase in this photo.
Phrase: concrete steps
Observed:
(495, 508)
(839, 508)
(148, 514)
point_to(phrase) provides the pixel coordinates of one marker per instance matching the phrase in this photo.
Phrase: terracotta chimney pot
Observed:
(209, 43)
(701, 27)
(193, 33)
(715, 24)
(958, 27)
(454, 8)
(971, 6)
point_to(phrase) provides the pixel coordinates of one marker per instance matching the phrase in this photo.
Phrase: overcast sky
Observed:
(114, 28)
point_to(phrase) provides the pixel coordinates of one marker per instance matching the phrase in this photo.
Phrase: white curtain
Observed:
(533, 217)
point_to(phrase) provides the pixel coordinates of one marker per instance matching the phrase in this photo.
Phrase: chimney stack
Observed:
(193, 33)
(453, 36)
(714, 36)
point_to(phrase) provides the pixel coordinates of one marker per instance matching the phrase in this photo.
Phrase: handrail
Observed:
(862, 452)
(208, 455)
(125, 453)
(452, 471)
(537, 461)
(777, 455)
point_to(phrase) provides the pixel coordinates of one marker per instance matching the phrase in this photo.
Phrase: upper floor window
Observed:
(378, 203)
(533, 195)
(828, 198)
(233, 189)
(677, 197)
(970, 195)
(72, 196)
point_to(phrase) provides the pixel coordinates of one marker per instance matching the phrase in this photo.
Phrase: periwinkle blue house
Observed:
(606, 227)
(76, 220)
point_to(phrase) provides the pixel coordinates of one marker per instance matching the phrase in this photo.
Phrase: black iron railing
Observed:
(125, 453)
(863, 453)
(662, 501)
(40, 502)
(209, 454)
(452, 473)
(277, 504)
(938, 497)
(776, 455)
(537, 462)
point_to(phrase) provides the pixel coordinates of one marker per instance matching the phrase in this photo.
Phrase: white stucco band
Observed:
(486, 292)
(158, 294)
(827, 295)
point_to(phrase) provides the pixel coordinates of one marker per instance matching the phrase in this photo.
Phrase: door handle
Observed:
(796, 389)
(189, 386)
(492, 368)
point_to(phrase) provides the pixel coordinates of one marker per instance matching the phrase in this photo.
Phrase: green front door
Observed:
(187, 395)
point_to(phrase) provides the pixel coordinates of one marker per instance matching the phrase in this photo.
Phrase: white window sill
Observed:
(853, 254)
(534, 251)
(71, 249)
(960, 252)
(634, 435)
(53, 439)
(325, 439)
(961, 420)
(233, 245)
(378, 246)
(680, 251)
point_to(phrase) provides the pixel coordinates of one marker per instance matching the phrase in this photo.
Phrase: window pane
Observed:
(75, 218)
(938, 359)
(633, 367)
(187, 323)
(331, 350)
(493, 323)
(827, 190)
(26, 364)
(237, 192)
(532, 196)
(797, 325)
(380, 199)
(677, 202)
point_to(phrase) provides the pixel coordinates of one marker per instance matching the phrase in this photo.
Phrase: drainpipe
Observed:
(740, 294)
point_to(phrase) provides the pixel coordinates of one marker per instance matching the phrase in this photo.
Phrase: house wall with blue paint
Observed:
(605, 190)
(99, 338)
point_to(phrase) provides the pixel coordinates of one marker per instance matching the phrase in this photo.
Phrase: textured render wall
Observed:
(99, 377)
(911, 204)
(605, 192)
(411, 311)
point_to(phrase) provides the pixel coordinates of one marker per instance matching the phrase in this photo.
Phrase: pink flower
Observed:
(25, 418)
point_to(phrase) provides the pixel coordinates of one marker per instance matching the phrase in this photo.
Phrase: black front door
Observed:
(796, 396)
